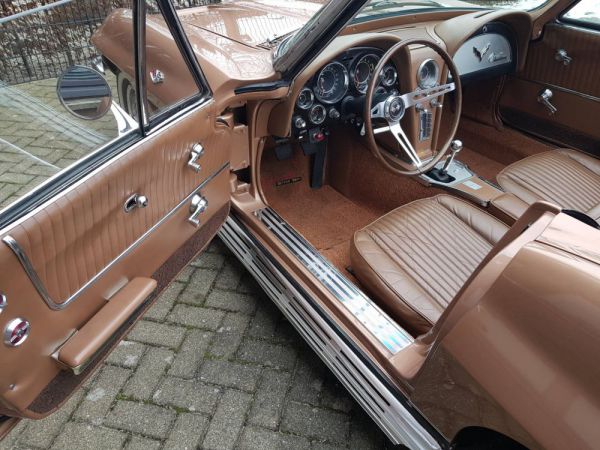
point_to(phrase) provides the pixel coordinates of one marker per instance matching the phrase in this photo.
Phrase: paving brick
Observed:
(248, 285)
(149, 420)
(231, 301)
(217, 246)
(188, 432)
(307, 383)
(269, 399)
(142, 443)
(264, 322)
(198, 287)
(208, 260)
(185, 274)
(227, 421)
(314, 422)
(144, 381)
(191, 354)
(101, 394)
(260, 439)
(157, 334)
(41, 433)
(195, 316)
(191, 395)
(165, 302)
(272, 355)
(335, 396)
(81, 436)
(364, 434)
(231, 275)
(126, 354)
(229, 336)
(230, 374)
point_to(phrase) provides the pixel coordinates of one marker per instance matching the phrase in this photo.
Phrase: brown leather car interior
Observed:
(568, 178)
(417, 257)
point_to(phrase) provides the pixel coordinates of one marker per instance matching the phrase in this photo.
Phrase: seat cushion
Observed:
(415, 259)
(567, 178)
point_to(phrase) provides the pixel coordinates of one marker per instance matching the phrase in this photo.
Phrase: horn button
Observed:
(394, 108)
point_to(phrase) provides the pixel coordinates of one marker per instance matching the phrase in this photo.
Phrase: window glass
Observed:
(61, 73)
(587, 11)
(168, 77)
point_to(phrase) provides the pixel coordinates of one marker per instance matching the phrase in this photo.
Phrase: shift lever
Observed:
(455, 147)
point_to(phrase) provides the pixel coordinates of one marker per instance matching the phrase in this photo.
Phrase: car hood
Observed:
(251, 23)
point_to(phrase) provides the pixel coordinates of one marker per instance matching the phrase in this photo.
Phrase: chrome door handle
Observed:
(562, 56)
(197, 207)
(195, 154)
(135, 201)
(544, 98)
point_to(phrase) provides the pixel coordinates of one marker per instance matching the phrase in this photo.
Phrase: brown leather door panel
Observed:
(575, 88)
(83, 248)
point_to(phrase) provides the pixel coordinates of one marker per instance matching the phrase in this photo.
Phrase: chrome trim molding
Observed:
(39, 285)
(379, 324)
(384, 407)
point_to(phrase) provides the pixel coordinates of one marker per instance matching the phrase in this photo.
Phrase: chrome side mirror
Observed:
(84, 92)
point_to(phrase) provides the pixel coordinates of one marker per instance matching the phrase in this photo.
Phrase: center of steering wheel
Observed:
(394, 108)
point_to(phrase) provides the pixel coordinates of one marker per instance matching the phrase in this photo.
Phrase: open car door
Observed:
(85, 253)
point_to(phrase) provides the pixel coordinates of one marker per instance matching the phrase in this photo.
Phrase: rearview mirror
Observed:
(84, 92)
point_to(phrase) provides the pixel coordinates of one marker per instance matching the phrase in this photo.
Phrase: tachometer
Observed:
(332, 83)
(363, 70)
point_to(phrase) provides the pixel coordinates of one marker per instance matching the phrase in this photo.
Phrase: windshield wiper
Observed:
(276, 40)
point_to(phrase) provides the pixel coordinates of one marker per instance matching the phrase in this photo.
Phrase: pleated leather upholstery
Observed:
(416, 258)
(565, 177)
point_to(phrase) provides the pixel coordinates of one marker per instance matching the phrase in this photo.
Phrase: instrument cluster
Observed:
(338, 88)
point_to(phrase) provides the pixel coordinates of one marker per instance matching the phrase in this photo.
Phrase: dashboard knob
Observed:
(299, 122)
(334, 114)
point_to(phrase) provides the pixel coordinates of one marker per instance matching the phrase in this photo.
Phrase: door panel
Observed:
(84, 248)
(575, 87)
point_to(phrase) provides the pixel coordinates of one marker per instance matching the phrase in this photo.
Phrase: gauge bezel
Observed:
(433, 81)
(346, 83)
(312, 99)
(381, 78)
(318, 105)
(353, 72)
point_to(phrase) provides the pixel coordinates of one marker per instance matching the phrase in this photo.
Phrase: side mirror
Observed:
(84, 92)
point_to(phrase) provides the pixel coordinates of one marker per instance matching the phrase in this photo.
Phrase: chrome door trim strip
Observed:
(41, 288)
(387, 407)
(376, 321)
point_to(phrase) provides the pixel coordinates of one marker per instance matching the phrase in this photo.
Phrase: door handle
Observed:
(544, 98)
(135, 201)
(195, 154)
(562, 56)
(197, 207)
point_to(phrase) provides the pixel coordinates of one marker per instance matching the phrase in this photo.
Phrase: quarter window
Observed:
(586, 12)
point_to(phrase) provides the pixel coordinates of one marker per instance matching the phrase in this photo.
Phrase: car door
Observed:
(100, 213)
(561, 72)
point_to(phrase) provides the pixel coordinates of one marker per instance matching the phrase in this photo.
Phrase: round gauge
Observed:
(427, 75)
(305, 99)
(317, 114)
(332, 83)
(362, 72)
(388, 75)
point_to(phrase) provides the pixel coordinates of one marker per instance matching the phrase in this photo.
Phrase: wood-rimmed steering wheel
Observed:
(391, 109)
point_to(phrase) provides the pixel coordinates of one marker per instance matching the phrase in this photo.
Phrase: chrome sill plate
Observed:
(366, 386)
(377, 322)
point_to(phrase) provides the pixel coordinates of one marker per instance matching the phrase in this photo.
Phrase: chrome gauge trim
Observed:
(376, 321)
(431, 81)
(307, 105)
(323, 114)
(370, 389)
(382, 77)
(362, 88)
(340, 94)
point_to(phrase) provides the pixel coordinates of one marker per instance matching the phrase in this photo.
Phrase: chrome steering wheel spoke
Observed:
(378, 111)
(423, 95)
(397, 131)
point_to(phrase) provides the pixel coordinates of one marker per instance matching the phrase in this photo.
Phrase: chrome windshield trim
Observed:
(41, 288)
(374, 319)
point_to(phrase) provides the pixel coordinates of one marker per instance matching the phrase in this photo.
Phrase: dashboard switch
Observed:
(299, 122)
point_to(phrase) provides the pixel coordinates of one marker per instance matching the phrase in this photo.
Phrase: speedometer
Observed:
(363, 70)
(332, 83)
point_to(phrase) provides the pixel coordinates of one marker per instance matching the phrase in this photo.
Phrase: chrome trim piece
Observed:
(39, 285)
(197, 207)
(196, 153)
(22, 329)
(433, 78)
(369, 390)
(379, 324)
(3, 302)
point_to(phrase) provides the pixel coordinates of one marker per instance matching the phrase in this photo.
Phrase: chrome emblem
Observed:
(157, 76)
(481, 53)
(16, 332)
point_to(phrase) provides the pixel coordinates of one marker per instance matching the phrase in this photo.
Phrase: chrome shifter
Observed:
(455, 147)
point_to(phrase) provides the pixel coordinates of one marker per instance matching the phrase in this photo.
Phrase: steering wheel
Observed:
(393, 108)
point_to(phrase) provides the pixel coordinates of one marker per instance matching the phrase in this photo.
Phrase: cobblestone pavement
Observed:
(213, 364)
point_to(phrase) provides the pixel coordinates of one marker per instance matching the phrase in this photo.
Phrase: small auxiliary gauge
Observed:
(317, 114)
(428, 73)
(305, 99)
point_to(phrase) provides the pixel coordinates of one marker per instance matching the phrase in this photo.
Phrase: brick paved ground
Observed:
(213, 365)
